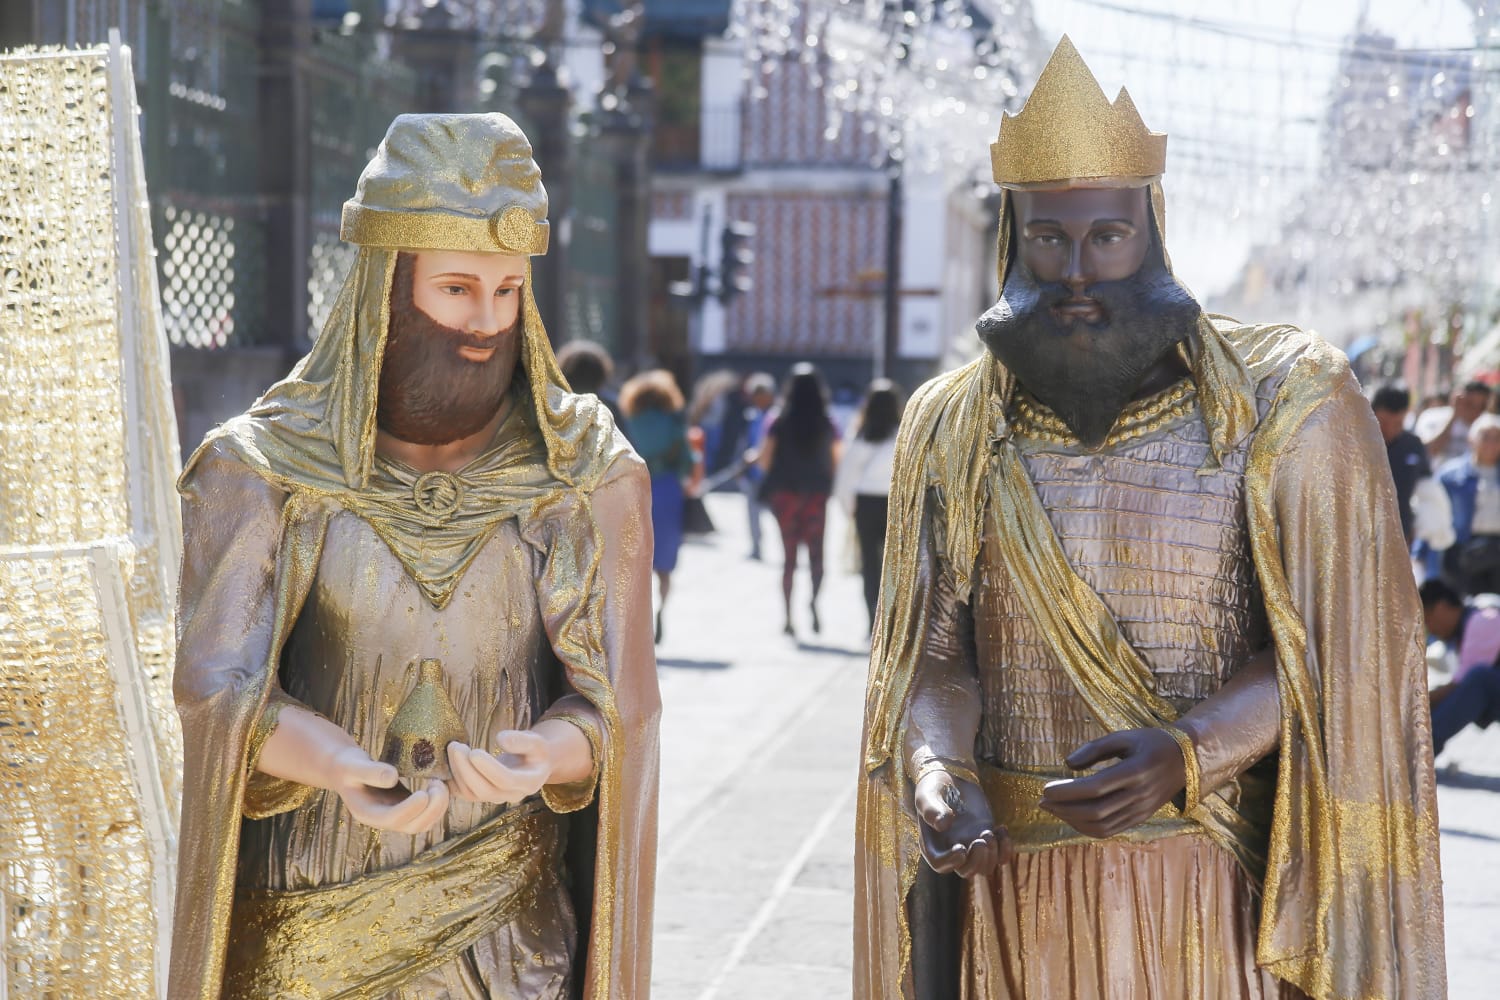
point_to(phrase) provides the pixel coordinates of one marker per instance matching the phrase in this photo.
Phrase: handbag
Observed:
(695, 519)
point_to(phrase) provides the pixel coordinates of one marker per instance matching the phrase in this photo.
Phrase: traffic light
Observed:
(694, 290)
(735, 259)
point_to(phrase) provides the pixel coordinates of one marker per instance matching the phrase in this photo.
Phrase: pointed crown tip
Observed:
(1069, 129)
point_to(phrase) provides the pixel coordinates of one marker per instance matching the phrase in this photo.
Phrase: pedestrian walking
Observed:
(798, 457)
(761, 390)
(588, 368)
(1473, 485)
(654, 406)
(863, 482)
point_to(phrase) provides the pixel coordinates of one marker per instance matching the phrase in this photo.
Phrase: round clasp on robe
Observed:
(438, 494)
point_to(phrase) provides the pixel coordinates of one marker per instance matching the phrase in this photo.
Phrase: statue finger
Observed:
(1089, 814)
(982, 856)
(1126, 817)
(471, 784)
(1111, 745)
(935, 802)
(479, 783)
(437, 805)
(521, 742)
(943, 857)
(373, 773)
(512, 776)
(1095, 786)
(402, 817)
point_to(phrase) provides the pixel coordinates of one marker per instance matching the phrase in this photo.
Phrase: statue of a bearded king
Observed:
(1148, 673)
(416, 631)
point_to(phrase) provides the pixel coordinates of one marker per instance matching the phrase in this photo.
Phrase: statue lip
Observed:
(472, 352)
(1079, 309)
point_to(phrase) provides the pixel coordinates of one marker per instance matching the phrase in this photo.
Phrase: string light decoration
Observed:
(930, 78)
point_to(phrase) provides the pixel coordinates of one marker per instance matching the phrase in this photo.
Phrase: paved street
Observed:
(760, 737)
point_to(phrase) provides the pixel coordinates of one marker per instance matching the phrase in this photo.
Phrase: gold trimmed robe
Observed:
(579, 498)
(1351, 897)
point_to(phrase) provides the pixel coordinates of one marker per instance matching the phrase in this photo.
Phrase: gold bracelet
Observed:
(1189, 766)
(952, 768)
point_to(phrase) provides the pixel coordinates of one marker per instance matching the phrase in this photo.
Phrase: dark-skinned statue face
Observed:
(1089, 308)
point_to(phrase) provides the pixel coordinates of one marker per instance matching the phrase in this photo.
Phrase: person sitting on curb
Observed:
(1472, 628)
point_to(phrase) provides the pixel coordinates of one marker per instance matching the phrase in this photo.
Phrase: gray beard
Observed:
(1088, 373)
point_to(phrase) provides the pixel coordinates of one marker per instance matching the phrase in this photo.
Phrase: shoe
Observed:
(816, 625)
(658, 628)
(789, 630)
(754, 555)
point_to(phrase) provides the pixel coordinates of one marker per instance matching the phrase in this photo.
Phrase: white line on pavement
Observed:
(716, 798)
(783, 885)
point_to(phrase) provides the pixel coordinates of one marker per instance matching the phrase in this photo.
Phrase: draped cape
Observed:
(312, 436)
(1351, 897)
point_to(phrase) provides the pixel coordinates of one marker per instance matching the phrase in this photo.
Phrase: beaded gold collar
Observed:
(1030, 418)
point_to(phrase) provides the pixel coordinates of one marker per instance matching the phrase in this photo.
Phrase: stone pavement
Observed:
(760, 739)
(760, 742)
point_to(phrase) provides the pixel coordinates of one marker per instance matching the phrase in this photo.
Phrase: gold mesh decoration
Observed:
(58, 306)
(78, 916)
(90, 541)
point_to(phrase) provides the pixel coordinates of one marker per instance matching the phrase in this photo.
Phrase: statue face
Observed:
(453, 345)
(478, 293)
(1081, 236)
(1089, 308)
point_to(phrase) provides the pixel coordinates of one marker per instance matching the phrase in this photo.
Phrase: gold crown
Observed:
(1069, 130)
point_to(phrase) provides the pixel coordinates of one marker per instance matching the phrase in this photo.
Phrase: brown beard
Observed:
(429, 393)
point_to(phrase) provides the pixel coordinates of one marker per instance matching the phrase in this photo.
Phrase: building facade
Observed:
(733, 146)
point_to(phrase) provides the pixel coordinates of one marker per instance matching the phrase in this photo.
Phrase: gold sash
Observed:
(364, 938)
(1013, 798)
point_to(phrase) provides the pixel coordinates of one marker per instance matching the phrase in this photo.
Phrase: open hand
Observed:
(523, 767)
(959, 834)
(372, 793)
(1151, 771)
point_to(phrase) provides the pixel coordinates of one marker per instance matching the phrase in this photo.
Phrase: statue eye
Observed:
(452, 289)
(1047, 239)
(1109, 239)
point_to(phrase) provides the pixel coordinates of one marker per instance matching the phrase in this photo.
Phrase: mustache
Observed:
(454, 336)
(1086, 372)
(1029, 302)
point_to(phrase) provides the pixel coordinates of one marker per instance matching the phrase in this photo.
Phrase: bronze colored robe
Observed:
(1347, 872)
(561, 481)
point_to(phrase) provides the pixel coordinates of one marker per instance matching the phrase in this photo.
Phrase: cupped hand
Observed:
(371, 791)
(523, 767)
(1150, 772)
(959, 834)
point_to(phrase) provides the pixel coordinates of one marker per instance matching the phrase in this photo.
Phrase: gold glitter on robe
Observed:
(1350, 900)
(275, 494)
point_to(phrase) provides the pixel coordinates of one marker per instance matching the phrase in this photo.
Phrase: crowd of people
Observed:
(1445, 463)
(786, 449)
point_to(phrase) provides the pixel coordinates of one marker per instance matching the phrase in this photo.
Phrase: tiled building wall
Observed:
(787, 127)
(810, 296)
